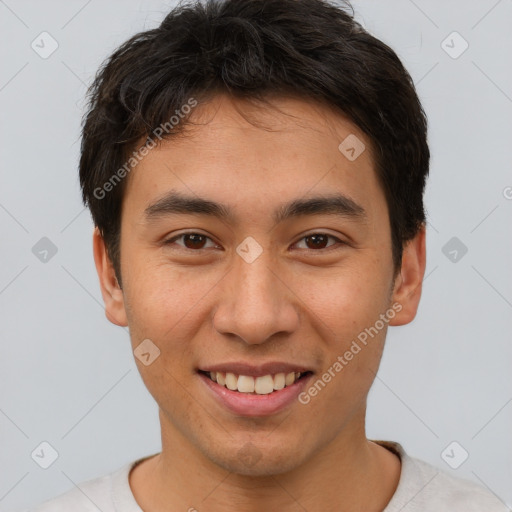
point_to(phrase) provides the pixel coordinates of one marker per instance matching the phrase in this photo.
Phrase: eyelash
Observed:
(181, 235)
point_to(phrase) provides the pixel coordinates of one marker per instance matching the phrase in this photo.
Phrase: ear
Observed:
(110, 289)
(408, 283)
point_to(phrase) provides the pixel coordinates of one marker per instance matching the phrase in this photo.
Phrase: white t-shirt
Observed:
(421, 488)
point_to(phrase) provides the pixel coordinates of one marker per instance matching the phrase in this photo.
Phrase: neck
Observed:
(349, 473)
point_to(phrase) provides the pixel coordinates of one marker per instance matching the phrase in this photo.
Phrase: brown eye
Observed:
(317, 241)
(193, 241)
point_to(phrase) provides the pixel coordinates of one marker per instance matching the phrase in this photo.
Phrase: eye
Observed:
(198, 241)
(191, 241)
(316, 241)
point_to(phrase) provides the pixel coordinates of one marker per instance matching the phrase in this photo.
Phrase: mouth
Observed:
(256, 385)
(253, 390)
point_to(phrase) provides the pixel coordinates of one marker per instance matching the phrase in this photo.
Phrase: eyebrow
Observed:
(178, 203)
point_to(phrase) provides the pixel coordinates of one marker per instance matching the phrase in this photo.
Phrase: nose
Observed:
(256, 304)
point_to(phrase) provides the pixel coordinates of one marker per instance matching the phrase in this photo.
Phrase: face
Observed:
(259, 249)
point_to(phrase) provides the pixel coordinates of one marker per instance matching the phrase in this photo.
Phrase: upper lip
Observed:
(241, 368)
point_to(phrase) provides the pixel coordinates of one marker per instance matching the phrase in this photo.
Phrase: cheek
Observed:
(170, 306)
(161, 297)
(344, 300)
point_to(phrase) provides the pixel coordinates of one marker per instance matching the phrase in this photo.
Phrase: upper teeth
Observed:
(260, 385)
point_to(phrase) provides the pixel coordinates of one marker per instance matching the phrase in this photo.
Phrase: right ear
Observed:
(110, 289)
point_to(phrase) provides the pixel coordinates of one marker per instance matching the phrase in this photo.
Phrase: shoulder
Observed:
(88, 496)
(425, 488)
(105, 493)
(439, 489)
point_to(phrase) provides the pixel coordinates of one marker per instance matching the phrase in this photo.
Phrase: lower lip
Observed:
(245, 404)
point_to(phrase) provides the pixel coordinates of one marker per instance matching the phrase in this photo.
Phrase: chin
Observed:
(257, 459)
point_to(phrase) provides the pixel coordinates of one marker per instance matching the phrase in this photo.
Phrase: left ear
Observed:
(408, 283)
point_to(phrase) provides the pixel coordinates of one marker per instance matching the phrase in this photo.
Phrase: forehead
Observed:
(249, 153)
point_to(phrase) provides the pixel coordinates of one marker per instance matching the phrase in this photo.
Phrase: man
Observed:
(255, 172)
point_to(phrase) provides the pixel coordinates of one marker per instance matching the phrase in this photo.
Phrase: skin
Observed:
(296, 303)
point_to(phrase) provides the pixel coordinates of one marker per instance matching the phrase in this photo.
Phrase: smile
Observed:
(261, 385)
(254, 390)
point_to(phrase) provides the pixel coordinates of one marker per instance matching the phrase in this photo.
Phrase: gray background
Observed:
(68, 376)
